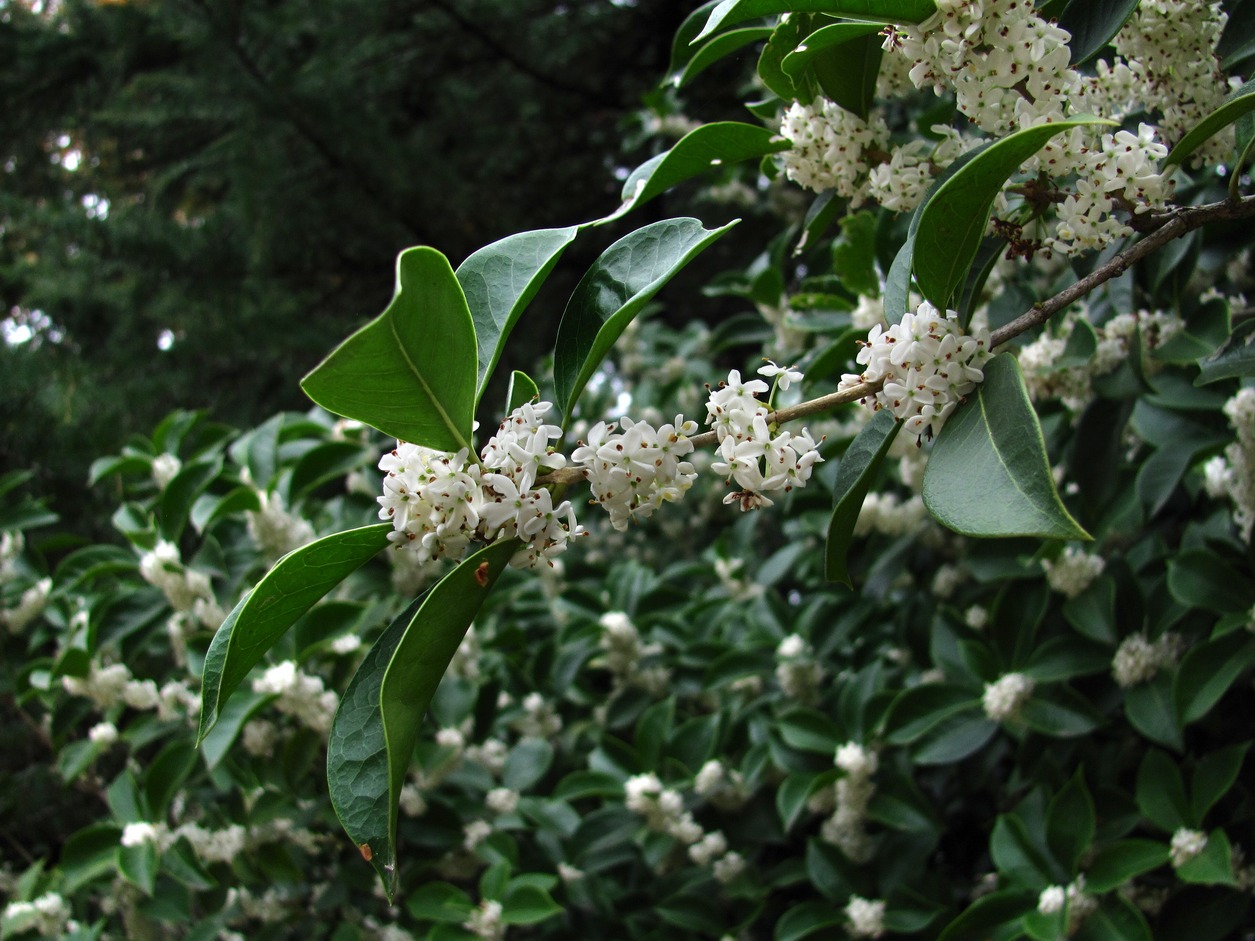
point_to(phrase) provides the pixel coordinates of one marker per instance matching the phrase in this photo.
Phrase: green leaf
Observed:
(1070, 823)
(209, 508)
(810, 730)
(878, 11)
(1118, 863)
(1208, 670)
(526, 904)
(522, 389)
(175, 506)
(954, 739)
(1234, 359)
(682, 45)
(917, 710)
(806, 918)
(421, 657)
(440, 902)
(988, 474)
(1236, 104)
(1201, 578)
(292, 587)
(527, 763)
(626, 276)
(1092, 24)
(411, 371)
(1061, 713)
(1018, 858)
(1116, 919)
(499, 281)
(952, 221)
(1214, 776)
(996, 910)
(1213, 866)
(138, 866)
(88, 855)
(1151, 709)
(701, 150)
(847, 71)
(1161, 793)
(720, 47)
(231, 721)
(357, 755)
(859, 468)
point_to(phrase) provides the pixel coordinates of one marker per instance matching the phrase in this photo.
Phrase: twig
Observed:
(1163, 227)
(1167, 226)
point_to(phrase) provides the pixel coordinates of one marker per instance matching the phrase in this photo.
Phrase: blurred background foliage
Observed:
(199, 199)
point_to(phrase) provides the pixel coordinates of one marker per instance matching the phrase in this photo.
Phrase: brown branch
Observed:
(1164, 228)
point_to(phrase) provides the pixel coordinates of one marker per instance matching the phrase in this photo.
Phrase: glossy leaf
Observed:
(1236, 358)
(357, 756)
(720, 47)
(410, 372)
(1093, 24)
(1202, 578)
(1118, 863)
(499, 281)
(979, 921)
(522, 390)
(878, 11)
(177, 499)
(683, 45)
(1070, 823)
(1213, 866)
(421, 657)
(1151, 709)
(988, 474)
(626, 276)
(292, 587)
(1115, 919)
(1237, 103)
(1018, 857)
(1214, 776)
(1161, 793)
(700, 151)
(952, 221)
(847, 72)
(858, 470)
(1208, 671)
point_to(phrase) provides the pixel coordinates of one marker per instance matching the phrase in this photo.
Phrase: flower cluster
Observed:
(188, 590)
(663, 811)
(797, 671)
(1073, 897)
(1005, 697)
(847, 827)
(1232, 475)
(299, 695)
(925, 365)
(633, 472)
(439, 502)
(830, 148)
(1137, 659)
(1186, 845)
(1073, 571)
(752, 452)
(866, 917)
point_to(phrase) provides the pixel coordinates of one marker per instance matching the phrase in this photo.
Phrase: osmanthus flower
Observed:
(926, 366)
(759, 458)
(633, 468)
(439, 503)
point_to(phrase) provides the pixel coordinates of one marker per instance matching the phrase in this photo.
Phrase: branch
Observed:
(1165, 227)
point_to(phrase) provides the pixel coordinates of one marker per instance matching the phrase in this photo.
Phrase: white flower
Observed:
(1004, 698)
(785, 376)
(1186, 845)
(856, 761)
(142, 834)
(925, 366)
(1073, 572)
(759, 458)
(866, 917)
(485, 921)
(502, 800)
(1052, 900)
(633, 472)
(103, 733)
